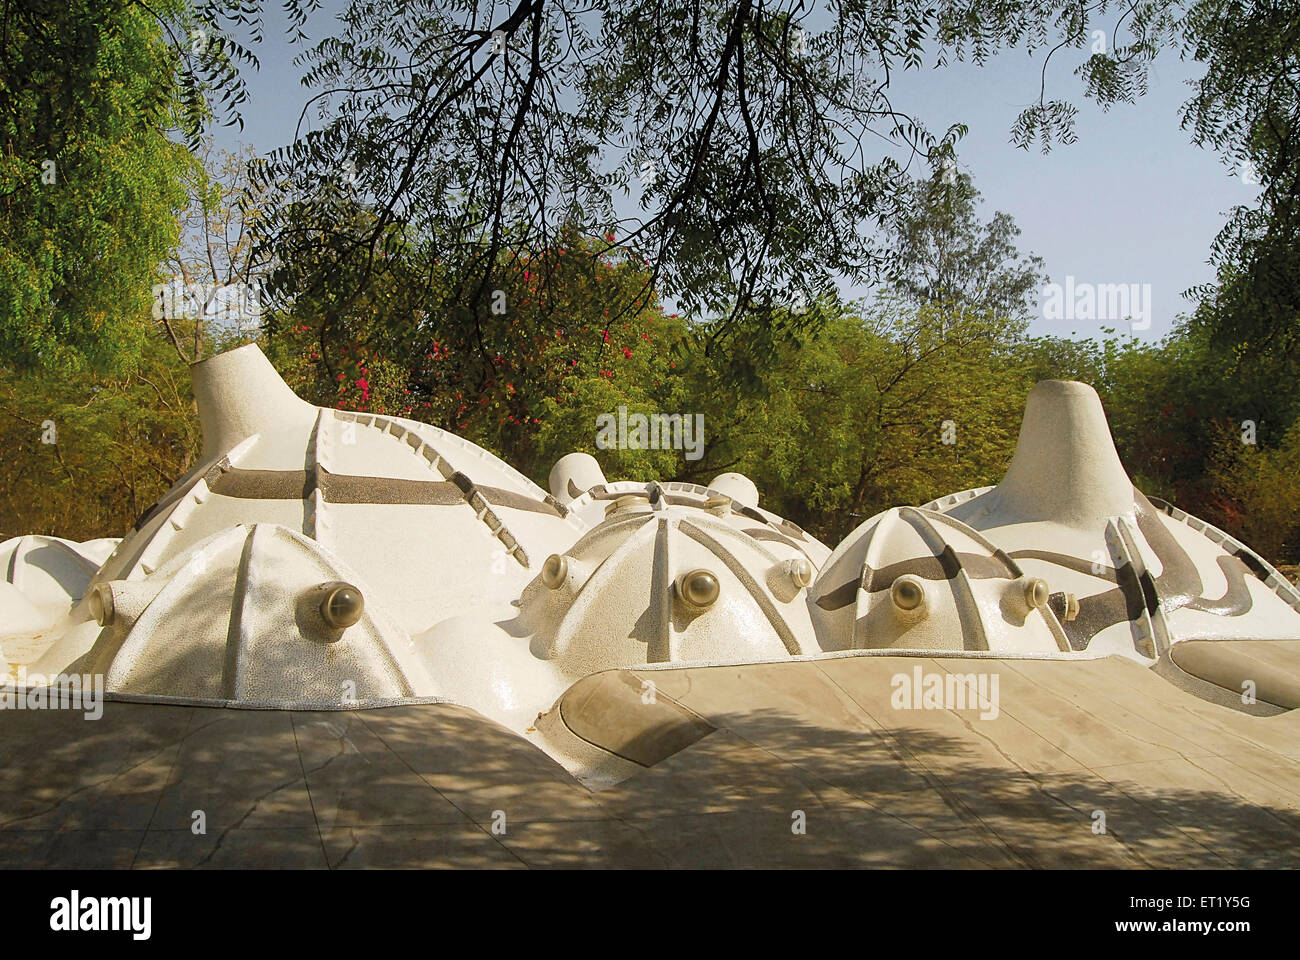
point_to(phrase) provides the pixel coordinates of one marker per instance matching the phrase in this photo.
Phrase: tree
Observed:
(89, 181)
(886, 404)
(85, 453)
(560, 354)
(212, 296)
(82, 457)
(1256, 489)
(739, 129)
(943, 256)
(1248, 108)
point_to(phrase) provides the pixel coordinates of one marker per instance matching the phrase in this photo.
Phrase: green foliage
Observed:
(556, 356)
(740, 130)
(1259, 488)
(444, 245)
(211, 291)
(942, 255)
(89, 181)
(1247, 107)
(119, 444)
(855, 419)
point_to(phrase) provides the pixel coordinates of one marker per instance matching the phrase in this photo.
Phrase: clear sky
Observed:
(1131, 202)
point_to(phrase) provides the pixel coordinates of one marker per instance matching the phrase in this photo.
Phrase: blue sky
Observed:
(1131, 202)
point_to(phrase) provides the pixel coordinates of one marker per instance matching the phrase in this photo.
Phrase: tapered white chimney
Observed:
(1065, 468)
(239, 394)
(573, 475)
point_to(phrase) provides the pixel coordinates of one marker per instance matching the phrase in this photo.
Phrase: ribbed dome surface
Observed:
(320, 556)
(1144, 574)
(436, 523)
(914, 579)
(622, 598)
(248, 605)
(780, 535)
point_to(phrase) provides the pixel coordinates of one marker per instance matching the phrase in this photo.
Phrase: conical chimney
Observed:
(239, 394)
(573, 475)
(1065, 467)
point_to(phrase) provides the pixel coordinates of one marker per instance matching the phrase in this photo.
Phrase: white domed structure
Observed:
(1146, 576)
(464, 579)
(388, 494)
(50, 573)
(915, 579)
(433, 525)
(318, 556)
(661, 579)
(1065, 555)
(268, 615)
(741, 512)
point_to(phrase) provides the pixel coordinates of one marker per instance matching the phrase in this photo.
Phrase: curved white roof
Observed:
(319, 555)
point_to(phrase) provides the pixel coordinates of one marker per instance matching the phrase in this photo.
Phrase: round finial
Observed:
(101, 604)
(342, 606)
(801, 571)
(1036, 592)
(554, 571)
(1071, 607)
(699, 588)
(908, 593)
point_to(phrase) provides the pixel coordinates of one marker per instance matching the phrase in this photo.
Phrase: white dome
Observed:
(240, 618)
(320, 556)
(622, 594)
(914, 579)
(1145, 574)
(779, 534)
(435, 522)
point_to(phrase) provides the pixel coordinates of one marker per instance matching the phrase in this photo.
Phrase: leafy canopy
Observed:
(90, 183)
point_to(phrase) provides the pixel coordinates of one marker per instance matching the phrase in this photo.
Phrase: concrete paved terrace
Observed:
(1181, 782)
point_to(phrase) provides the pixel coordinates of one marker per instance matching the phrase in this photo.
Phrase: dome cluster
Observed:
(318, 556)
